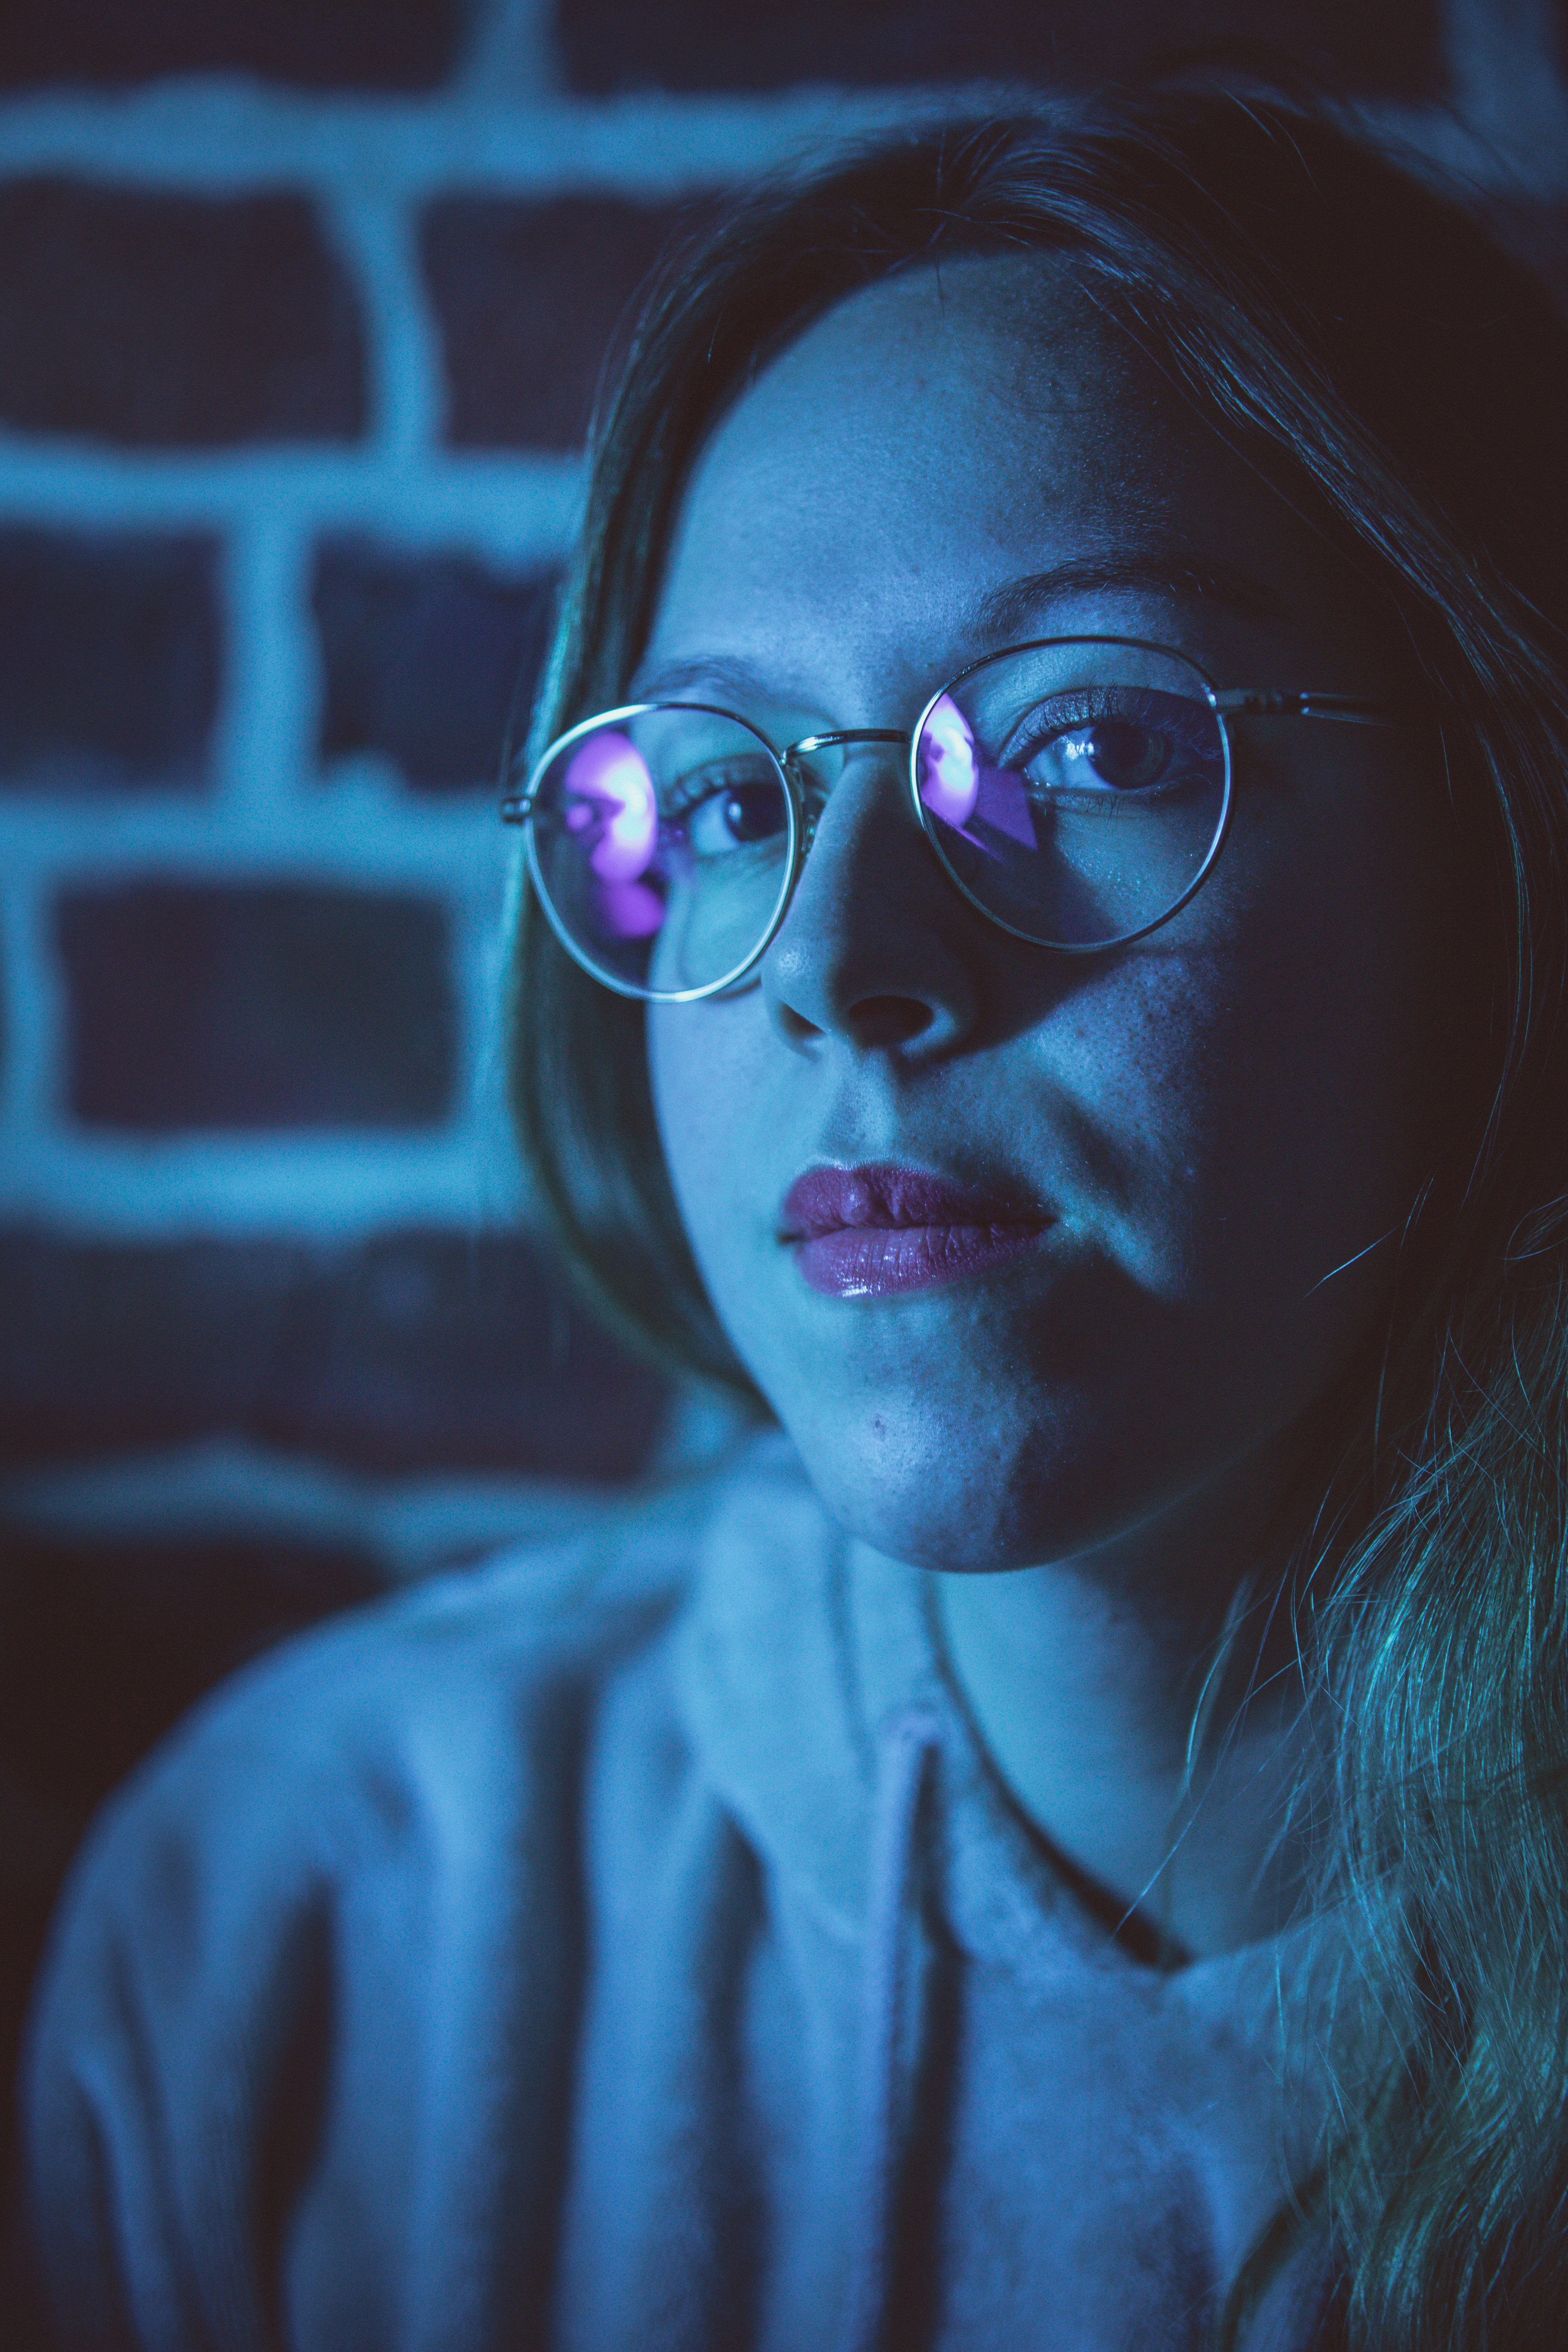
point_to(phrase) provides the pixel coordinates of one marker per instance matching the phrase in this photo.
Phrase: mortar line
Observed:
(34, 1012)
(262, 744)
(377, 233)
(518, 508)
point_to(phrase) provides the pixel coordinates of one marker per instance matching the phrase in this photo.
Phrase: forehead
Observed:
(930, 434)
(987, 345)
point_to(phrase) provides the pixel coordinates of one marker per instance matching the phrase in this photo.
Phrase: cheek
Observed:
(702, 1065)
(1250, 1105)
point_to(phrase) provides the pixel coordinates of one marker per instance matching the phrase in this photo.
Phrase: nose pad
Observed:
(843, 746)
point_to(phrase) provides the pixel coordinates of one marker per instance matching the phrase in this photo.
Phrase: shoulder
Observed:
(468, 1679)
(381, 1822)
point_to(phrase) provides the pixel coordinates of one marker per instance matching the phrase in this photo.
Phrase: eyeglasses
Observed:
(1077, 790)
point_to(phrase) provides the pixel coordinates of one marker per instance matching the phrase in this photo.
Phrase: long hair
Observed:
(1363, 341)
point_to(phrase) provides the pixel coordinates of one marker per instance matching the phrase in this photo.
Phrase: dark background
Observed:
(301, 307)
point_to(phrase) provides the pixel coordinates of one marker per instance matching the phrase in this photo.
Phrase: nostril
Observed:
(797, 1029)
(887, 1020)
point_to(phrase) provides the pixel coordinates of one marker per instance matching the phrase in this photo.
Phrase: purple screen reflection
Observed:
(950, 774)
(611, 803)
(957, 785)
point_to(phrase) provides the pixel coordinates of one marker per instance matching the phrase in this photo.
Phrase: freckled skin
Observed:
(1218, 1116)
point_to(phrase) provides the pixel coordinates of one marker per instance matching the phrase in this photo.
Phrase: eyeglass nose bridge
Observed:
(793, 753)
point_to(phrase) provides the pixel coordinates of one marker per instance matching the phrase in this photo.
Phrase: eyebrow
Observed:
(703, 671)
(1192, 577)
(1016, 605)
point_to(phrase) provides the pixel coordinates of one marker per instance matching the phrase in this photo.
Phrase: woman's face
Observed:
(1219, 1129)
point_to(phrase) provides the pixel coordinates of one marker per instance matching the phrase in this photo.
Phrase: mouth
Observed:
(869, 1233)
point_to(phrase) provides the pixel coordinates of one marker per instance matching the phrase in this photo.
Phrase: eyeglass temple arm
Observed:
(1240, 702)
(1237, 702)
(1248, 702)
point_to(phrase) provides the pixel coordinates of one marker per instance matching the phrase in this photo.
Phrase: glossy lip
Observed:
(872, 1231)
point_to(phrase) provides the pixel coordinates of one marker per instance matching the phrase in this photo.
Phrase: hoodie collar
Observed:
(799, 1647)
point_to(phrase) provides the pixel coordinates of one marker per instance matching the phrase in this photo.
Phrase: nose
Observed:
(876, 950)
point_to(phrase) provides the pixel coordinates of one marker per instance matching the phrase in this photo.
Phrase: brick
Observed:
(200, 1007)
(528, 298)
(110, 659)
(379, 44)
(1374, 45)
(424, 658)
(412, 1351)
(153, 320)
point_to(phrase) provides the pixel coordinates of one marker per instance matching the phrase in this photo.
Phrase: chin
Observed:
(957, 1499)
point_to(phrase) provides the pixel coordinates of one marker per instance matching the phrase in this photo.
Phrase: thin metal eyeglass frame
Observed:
(1235, 702)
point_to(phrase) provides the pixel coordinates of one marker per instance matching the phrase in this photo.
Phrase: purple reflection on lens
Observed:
(949, 774)
(628, 910)
(1004, 805)
(958, 786)
(609, 790)
(610, 800)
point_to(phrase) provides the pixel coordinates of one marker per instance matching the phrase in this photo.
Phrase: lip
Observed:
(872, 1231)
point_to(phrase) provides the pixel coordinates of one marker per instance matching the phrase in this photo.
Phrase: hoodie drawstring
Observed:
(907, 1740)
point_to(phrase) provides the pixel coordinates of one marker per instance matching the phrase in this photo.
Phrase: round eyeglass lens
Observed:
(1076, 791)
(661, 843)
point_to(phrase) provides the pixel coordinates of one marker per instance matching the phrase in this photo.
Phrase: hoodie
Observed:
(630, 1946)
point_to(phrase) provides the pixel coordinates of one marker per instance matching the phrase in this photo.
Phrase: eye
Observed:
(723, 812)
(1118, 751)
(1121, 753)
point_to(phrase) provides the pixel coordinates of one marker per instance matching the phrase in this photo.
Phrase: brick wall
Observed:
(300, 310)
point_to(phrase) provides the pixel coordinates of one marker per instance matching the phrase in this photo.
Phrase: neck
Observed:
(1089, 1681)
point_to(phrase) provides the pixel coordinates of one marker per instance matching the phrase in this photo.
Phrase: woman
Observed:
(1040, 966)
